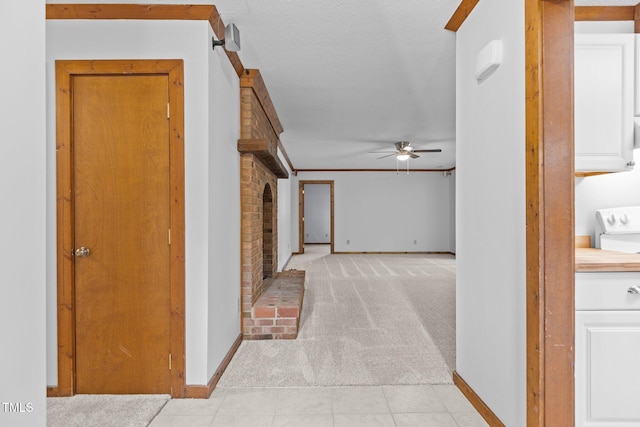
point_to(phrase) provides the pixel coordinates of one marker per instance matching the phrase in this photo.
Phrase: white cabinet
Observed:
(636, 107)
(607, 376)
(604, 102)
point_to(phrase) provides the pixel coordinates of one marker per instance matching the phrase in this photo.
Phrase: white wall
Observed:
(224, 208)
(490, 206)
(22, 174)
(452, 209)
(385, 211)
(611, 190)
(284, 218)
(211, 180)
(317, 213)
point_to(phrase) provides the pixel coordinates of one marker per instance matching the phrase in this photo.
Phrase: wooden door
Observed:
(121, 191)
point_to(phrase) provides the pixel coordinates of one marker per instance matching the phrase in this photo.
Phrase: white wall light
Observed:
(488, 60)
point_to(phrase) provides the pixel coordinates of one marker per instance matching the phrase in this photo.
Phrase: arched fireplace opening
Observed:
(268, 269)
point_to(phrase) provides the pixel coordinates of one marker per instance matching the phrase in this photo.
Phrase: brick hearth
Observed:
(276, 314)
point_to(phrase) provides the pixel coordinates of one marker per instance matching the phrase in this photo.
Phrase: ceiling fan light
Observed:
(402, 156)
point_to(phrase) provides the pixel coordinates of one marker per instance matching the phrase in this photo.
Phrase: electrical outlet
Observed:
(348, 241)
(415, 242)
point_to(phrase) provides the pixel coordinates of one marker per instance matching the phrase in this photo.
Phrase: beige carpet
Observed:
(366, 320)
(104, 410)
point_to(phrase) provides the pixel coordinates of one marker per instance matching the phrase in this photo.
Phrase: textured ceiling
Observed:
(348, 77)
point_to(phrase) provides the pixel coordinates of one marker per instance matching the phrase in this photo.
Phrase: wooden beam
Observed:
(461, 14)
(217, 25)
(128, 11)
(605, 13)
(286, 156)
(549, 214)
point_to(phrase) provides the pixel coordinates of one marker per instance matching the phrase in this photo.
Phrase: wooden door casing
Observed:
(171, 72)
(301, 185)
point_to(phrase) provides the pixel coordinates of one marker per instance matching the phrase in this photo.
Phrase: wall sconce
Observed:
(231, 40)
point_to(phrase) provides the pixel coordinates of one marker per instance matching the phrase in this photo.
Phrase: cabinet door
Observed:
(604, 101)
(636, 82)
(606, 369)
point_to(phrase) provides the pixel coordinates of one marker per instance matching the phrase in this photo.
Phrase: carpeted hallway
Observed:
(366, 320)
(382, 324)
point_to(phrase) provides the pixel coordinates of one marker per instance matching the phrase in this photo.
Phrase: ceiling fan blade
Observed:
(412, 155)
(388, 155)
(434, 150)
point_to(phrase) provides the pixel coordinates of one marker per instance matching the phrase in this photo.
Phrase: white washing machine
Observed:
(618, 229)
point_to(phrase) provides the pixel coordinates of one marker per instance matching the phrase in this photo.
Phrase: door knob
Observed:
(634, 290)
(82, 252)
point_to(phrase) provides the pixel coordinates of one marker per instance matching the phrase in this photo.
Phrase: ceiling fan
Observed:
(404, 151)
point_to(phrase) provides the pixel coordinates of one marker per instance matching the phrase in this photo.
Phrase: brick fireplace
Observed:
(260, 169)
(259, 229)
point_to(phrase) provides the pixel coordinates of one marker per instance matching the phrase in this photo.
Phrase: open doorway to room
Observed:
(315, 214)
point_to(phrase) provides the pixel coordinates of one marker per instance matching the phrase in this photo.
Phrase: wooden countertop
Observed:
(590, 259)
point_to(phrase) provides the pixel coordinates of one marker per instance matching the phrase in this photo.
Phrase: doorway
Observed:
(120, 172)
(315, 215)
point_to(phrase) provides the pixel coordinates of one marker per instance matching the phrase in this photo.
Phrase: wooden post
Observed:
(550, 212)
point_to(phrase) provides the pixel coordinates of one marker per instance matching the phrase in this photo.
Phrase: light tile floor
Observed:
(393, 406)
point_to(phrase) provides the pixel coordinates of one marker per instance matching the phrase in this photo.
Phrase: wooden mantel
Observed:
(266, 152)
